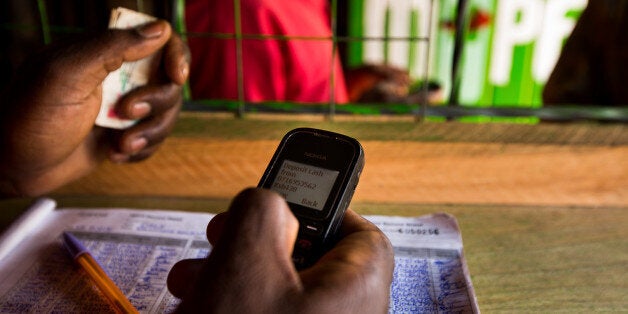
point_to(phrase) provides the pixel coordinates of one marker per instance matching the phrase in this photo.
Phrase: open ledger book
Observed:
(137, 248)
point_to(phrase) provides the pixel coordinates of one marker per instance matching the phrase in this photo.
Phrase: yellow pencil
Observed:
(82, 257)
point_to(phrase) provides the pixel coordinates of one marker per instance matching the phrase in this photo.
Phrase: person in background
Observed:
(48, 138)
(592, 67)
(287, 51)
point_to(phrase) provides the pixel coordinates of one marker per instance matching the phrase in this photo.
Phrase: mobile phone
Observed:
(316, 171)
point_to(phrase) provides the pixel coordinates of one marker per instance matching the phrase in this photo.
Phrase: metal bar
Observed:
(461, 13)
(239, 59)
(551, 113)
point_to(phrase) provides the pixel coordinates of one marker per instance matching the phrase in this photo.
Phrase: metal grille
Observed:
(417, 44)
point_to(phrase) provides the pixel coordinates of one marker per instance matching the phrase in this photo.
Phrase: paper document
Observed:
(137, 248)
(129, 76)
(431, 273)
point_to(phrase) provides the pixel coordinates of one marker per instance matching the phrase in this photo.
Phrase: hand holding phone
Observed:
(316, 171)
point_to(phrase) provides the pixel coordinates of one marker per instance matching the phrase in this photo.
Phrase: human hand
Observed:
(250, 269)
(48, 137)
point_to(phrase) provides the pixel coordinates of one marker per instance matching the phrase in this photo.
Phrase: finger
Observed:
(362, 261)
(182, 275)
(176, 60)
(253, 254)
(136, 157)
(361, 242)
(352, 222)
(133, 44)
(261, 215)
(105, 53)
(90, 60)
(150, 100)
(215, 227)
(142, 139)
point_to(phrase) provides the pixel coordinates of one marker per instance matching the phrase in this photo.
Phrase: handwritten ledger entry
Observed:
(137, 248)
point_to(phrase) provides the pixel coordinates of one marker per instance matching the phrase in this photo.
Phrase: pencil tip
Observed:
(73, 245)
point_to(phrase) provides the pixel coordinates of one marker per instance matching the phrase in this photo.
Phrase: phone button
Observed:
(299, 261)
(313, 228)
(302, 252)
(304, 244)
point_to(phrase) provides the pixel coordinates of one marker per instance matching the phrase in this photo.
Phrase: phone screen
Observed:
(304, 184)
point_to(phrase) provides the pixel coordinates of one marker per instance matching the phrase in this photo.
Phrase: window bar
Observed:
(334, 52)
(140, 5)
(426, 71)
(178, 20)
(239, 59)
(43, 16)
(461, 13)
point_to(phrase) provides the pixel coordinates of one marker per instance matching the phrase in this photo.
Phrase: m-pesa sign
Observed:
(511, 46)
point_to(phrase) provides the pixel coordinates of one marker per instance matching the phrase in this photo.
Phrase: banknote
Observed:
(129, 76)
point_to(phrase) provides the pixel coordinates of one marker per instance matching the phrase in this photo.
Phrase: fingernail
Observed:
(118, 158)
(185, 69)
(151, 30)
(140, 109)
(138, 144)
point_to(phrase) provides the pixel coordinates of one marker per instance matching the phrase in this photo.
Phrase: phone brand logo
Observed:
(312, 155)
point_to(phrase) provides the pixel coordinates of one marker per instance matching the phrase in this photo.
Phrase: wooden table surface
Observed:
(543, 209)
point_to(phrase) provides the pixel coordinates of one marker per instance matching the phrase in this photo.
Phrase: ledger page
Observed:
(431, 273)
(137, 248)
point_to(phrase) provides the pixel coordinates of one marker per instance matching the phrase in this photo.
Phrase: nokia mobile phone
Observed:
(316, 171)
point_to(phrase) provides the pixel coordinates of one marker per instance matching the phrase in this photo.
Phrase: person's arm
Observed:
(250, 267)
(47, 132)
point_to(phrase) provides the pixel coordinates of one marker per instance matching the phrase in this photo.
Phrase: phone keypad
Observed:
(304, 244)
(312, 228)
(305, 250)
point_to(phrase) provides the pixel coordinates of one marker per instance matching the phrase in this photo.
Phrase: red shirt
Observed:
(274, 69)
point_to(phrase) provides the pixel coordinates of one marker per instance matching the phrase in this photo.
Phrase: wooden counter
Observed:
(543, 208)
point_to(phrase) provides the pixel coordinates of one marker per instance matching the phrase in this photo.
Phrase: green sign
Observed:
(510, 46)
